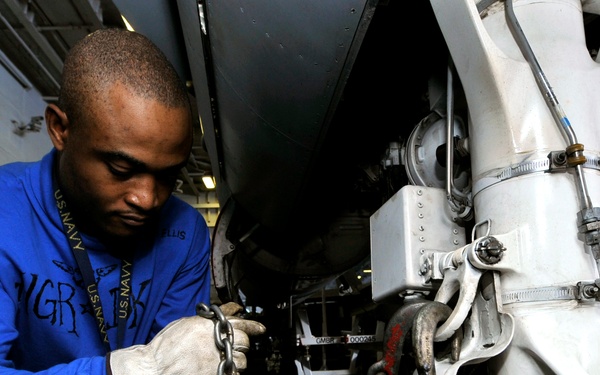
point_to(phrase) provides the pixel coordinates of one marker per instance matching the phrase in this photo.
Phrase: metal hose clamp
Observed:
(223, 337)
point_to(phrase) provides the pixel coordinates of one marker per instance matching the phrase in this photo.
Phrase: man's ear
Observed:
(57, 124)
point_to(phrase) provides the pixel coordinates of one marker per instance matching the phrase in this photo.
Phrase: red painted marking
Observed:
(392, 346)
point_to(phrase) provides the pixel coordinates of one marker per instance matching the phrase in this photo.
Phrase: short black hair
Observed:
(107, 56)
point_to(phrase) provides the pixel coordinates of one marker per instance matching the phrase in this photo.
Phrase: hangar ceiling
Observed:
(35, 36)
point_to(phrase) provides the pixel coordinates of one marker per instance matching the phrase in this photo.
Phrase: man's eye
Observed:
(118, 170)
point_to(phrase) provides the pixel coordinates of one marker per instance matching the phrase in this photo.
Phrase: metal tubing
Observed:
(449, 134)
(451, 191)
(553, 104)
(538, 74)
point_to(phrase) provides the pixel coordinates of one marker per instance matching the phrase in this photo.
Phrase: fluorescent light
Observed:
(209, 182)
(127, 24)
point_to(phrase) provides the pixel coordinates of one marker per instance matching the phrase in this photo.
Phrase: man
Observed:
(96, 256)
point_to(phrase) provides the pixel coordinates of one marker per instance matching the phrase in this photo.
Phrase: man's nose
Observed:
(145, 193)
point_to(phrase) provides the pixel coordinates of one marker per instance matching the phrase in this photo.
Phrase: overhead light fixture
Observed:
(127, 24)
(209, 182)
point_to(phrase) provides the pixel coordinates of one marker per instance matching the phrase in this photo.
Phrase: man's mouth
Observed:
(134, 220)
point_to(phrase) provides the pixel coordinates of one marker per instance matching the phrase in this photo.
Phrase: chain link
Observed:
(223, 337)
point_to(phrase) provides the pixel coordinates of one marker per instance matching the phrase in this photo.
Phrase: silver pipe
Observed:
(540, 77)
(586, 201)
(451, 190)
(449, 133)
(551, 100)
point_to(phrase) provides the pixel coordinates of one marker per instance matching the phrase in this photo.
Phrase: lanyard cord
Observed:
(83, 261)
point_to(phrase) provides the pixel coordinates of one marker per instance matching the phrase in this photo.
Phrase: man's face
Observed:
(118, 169)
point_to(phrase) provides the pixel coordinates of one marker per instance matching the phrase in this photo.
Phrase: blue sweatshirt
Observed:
(46, 320)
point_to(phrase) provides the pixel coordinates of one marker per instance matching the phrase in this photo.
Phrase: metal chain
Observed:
(223, 337)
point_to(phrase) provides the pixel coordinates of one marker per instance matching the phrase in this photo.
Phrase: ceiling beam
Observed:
(91, 12)
(20, 12)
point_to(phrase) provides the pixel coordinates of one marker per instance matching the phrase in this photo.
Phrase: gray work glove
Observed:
(185, 346)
